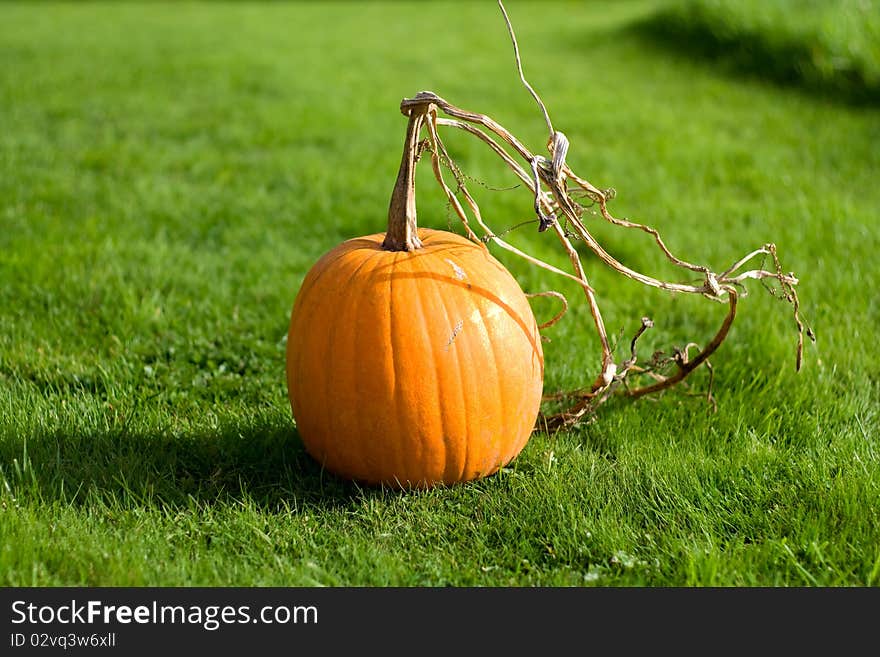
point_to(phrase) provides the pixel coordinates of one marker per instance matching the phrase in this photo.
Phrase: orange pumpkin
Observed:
(413, 357)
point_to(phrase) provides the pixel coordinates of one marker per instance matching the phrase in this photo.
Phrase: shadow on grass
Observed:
(798, 62)
(264, 465)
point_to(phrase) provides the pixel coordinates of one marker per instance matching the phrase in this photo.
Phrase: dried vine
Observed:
(549, 180)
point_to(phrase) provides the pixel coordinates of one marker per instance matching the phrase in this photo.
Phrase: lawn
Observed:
(169, 172)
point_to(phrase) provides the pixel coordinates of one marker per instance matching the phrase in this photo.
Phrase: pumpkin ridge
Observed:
(418, 265)
(324, 269)
(329, 380)
(359, 288)
(449, 440)
(399, 459)
(395, 349)
(302, 349)
(499, 398)
(471, 344)
(499, 279)
(302, 296)
(486, 291)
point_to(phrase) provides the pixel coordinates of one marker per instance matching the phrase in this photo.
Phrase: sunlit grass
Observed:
(168, 176)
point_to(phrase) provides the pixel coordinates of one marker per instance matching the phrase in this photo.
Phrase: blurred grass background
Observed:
(829, 46)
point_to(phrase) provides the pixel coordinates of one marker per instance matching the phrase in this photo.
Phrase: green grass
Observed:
(827, 46)
(169, 173)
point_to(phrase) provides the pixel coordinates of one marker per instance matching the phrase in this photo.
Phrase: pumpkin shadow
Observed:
(263, 465)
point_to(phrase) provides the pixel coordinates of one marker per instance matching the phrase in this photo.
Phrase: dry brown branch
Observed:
(547, 179)
(557, 316)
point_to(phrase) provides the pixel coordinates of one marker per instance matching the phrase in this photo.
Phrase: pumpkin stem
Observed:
(402, 233)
